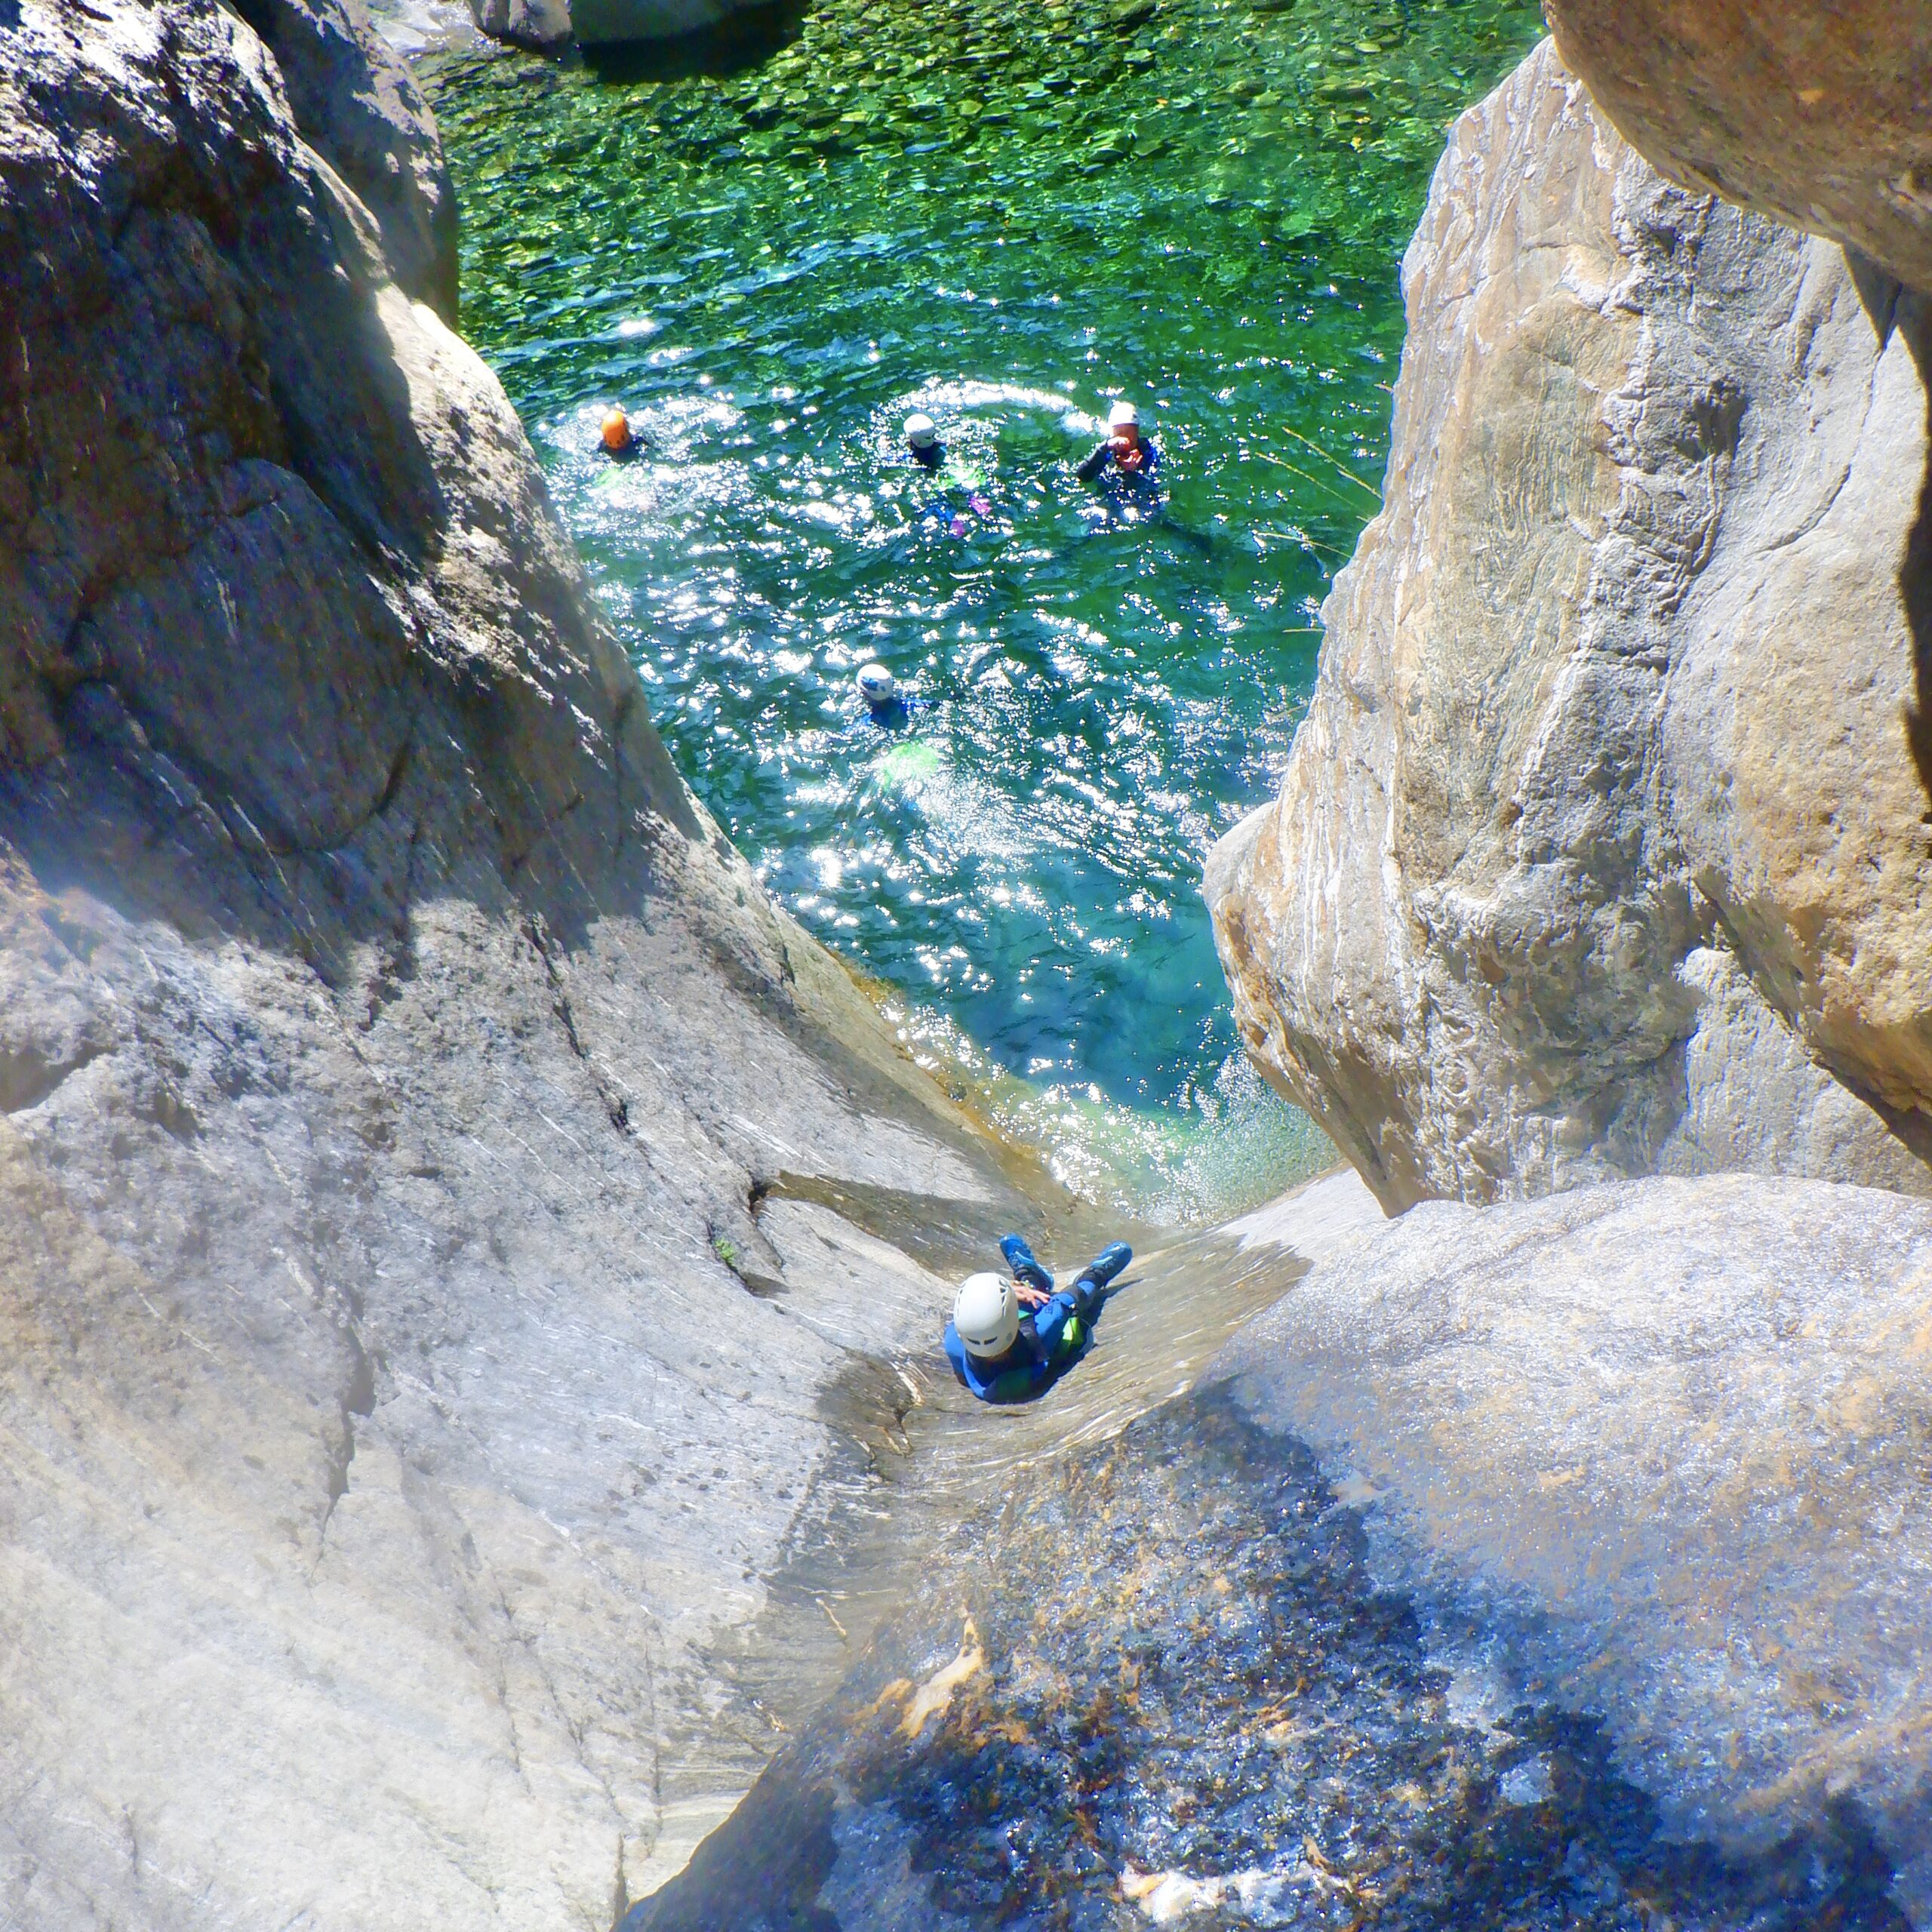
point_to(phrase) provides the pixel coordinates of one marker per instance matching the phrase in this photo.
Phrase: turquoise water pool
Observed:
(773, 247)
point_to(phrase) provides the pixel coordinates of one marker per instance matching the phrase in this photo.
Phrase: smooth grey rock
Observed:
(543, 25)
(1555, 1564)
(403, 1415)
(1664, 1442)
(546, 25)
(1606, 817)
(360, 109)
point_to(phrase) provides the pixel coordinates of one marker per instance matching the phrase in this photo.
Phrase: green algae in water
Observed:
(906, 765)
(1004, 215)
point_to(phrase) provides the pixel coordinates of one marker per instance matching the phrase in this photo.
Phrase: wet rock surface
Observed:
(1813, 115)
(1603, 849)
(1673, 1435)
(403, 1413)
(1543, 1565)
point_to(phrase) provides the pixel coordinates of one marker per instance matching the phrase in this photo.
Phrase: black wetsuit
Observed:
(1103, 459)
(932, 457)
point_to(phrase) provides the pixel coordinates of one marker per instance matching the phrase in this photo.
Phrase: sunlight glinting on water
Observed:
(1005, 232)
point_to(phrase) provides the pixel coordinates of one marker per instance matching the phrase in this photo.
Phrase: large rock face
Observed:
(1664, 1441)
(364, 115)
(1813, 114)
(1552, 1564)
(401, 1406)
(546, 25)
(1605, 847)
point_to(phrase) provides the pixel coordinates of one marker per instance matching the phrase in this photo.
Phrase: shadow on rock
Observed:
(1915, 569)
(1166, 1682)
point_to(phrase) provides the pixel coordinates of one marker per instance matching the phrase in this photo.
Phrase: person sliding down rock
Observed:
(1126, 455)
(1012, 1338)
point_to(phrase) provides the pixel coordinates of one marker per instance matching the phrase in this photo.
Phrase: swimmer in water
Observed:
(620, 442)
(923, 445)
(885, 704)
(922, 442)
(1127, 455)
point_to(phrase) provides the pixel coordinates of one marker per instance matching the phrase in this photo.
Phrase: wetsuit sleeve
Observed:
(1095, 464)
(1050, 1326)
(956, 1354)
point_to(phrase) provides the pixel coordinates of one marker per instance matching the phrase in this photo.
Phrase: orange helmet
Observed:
(616, 427)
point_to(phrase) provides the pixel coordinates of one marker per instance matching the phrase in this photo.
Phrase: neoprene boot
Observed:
(1025, 1269)
(1090, 1284)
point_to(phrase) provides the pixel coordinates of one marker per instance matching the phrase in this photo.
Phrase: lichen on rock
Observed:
(1614, 706)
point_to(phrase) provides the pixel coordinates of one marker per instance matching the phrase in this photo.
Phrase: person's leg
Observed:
(1020, 1259)
(1090, 1285)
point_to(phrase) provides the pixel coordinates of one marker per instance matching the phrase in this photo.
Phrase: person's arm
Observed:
(956, 1354)
(1050, 1325)
(1095, 464)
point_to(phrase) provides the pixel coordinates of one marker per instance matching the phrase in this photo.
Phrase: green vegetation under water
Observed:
(1003, 213)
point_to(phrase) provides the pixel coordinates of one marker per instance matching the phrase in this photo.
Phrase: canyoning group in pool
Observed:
(1125, 463)
(1011, 1336)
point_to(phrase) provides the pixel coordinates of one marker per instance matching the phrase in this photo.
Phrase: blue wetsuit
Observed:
(1051, 1339)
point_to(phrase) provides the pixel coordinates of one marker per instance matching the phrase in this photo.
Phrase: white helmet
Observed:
(877, 685)
(1123, 416)
(922, 432)
(986, 1315)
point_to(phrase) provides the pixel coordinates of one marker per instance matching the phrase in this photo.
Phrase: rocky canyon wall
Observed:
(1604, 848)
(1813, 115)
(418, 1351)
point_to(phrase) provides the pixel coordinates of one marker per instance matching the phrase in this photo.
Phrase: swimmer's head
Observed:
(922, 432)
(617, 429)
(1124, 423)
(877, 685)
